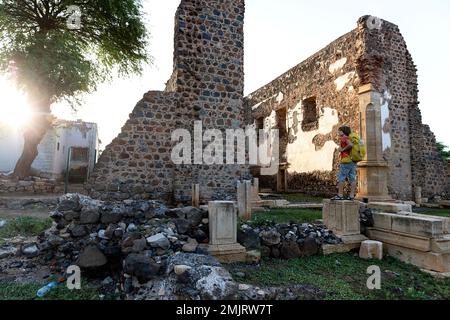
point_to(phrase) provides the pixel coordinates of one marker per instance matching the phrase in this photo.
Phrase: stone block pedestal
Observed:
(342, 217)
(223, 232)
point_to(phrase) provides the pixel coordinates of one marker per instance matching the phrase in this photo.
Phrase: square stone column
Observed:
(373, 170)
(245, 196)
(342, 217)
(223, 232)
(196, 195)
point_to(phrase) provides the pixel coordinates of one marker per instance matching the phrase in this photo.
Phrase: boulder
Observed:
(248, 238)
(290, 250)
(141, 266)
(308, 247)
(159, 241)
(30, 250)
(69, 202)
(7, 252)
(108, 217)
(270, 238)
(89, 216)
(78, 231)
(91, 257)
(190, 246)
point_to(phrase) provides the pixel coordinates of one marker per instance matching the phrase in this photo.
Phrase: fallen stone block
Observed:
(432, 261)
(390, 207)
(405, 240)
(371, 250)
(445, 203)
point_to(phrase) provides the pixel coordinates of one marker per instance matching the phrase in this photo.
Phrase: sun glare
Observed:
(14, 110)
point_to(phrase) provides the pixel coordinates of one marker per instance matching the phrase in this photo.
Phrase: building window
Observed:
(57, 147)
(80, 154)
(310, 115)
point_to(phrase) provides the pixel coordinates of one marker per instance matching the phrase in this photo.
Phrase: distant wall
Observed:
(53, 149)
(317, 96)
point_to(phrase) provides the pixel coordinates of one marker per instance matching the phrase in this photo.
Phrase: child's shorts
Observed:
(347, 170)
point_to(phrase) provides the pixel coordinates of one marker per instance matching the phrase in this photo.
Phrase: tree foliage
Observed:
(444, 151)
(57, 62)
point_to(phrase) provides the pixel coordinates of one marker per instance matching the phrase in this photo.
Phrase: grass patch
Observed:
(25, 226)
(11, 291)
(343, 277)
(434, 212)
(301, 198)
(287, 215)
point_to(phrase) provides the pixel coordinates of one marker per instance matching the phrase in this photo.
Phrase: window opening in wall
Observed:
(57, 147)
(80, 154)
(310, 115)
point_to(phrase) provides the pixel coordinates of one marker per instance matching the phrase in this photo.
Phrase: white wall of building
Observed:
(52, 158)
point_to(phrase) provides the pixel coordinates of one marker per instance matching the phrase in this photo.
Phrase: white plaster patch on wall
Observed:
(302, 154)
(338, 65)
(342, 81)
(280, 97)
(386, 136)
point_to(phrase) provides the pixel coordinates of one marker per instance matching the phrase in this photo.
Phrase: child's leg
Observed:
(343, 173)
(352, 179)
(341, 189)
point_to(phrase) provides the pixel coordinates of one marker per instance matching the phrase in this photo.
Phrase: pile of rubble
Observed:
(286, 241)
(139, 243)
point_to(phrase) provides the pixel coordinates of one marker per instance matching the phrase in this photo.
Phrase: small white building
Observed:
(79, 137)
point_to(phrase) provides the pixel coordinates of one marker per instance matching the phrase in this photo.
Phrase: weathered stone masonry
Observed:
(321, 94)
(206, 85)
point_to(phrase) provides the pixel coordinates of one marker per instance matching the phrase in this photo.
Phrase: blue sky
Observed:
(279, 35)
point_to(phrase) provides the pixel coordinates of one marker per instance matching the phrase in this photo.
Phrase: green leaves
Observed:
(57, 62)
(444, 151)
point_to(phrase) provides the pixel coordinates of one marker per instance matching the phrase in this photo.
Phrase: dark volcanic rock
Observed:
(141, 266)
(290, 250)
(91, 257)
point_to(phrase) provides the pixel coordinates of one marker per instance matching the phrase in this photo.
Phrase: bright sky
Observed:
(279, 35)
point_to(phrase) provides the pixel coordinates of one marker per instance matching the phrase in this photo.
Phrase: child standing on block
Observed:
(347, 168)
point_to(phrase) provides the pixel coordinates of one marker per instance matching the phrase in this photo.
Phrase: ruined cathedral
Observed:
(366, 76)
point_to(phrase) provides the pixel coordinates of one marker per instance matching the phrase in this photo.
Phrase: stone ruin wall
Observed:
(333, 76)
(409, 145)
(310, 148)
(206, 85)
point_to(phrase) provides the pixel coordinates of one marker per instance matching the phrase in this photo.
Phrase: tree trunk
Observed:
(33, 135)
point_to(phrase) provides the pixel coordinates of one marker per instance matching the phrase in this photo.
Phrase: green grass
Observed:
(343, 277)
(11, 291)
(25, 226)
(286, 216)
(434, 212)
(301, 198)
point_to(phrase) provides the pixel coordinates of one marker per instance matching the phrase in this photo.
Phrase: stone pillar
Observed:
(223, 232)
(418, 196)
(373, 170)
(195, 195)
(342, 217)
(256, 197)
(244, 199)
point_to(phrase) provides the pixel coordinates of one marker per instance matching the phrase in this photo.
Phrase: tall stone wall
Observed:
(209, 75)
(375, 54)
(206, 85)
